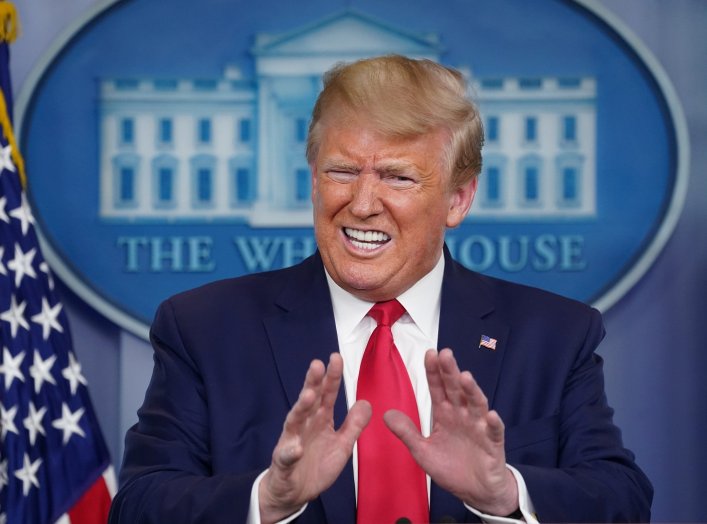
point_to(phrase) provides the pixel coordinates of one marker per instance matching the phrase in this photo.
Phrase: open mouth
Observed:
(366, 239)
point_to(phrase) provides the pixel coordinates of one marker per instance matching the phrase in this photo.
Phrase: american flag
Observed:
(487, 342)
(54, 464)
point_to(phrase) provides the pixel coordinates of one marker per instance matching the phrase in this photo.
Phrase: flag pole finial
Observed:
(9, 22)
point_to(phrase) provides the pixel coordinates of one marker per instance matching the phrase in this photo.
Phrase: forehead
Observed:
(360, 139)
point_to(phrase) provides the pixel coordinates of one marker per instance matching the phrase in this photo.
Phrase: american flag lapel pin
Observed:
(487, 342)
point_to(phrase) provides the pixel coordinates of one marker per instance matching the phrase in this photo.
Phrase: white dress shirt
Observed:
(414, 333)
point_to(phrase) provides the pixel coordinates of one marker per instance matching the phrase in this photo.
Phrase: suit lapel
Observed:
(304, 329)
(468, 312)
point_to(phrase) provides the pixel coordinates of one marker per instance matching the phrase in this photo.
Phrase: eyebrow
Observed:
(337, 164)
(390, 167)
(395, 169)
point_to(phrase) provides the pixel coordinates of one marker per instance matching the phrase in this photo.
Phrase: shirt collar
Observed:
(350, 310)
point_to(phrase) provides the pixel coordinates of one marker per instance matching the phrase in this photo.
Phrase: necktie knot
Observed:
(387, 313)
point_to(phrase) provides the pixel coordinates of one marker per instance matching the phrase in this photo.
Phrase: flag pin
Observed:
(487, 342)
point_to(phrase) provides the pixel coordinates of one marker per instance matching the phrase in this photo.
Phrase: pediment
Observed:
(349, 32)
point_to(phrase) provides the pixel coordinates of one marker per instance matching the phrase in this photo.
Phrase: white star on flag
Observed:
(6, 159)
(3, 215)
(7, 421)
(69, 422)
(11, 367)
(44, 268)
(15, 316)
(3, 474)
(28, 474)
(33, 422)
(48, 318)
(22, 264)
(40, 370)
(72, 373)
(3, 271)
(23, 213)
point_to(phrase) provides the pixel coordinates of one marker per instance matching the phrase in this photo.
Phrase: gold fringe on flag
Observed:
(10, 137)
(9, 22)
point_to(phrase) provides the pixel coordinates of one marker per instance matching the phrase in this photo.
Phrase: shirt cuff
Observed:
(525, 505)
(254, 509)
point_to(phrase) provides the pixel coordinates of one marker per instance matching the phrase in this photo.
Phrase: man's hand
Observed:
(310, 454)
(464, 453)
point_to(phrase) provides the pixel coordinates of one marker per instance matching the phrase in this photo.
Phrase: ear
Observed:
(460, 202)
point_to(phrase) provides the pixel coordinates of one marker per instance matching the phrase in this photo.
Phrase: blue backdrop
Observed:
(654, 348)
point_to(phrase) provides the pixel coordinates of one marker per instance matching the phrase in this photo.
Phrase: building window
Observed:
(302, 185)
(203, 185)
(531, 129)
(493, 185)
(165, 187)
(164, 181)
(166, 84)
(492, 83)
(301, 129)
(569, 129)
(165, 131)
(244, 186)
(125, 181)
(204, 131)
(530, 83)
(203, 190)
(569, 180)
(492, 129)
(127, 185)
(569, 83)
(531, 184)
(569, 184)
(244, 130)
(531, 187)
(127, 131)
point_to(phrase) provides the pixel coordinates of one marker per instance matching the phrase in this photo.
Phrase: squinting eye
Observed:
(341, 176)
(400, 181)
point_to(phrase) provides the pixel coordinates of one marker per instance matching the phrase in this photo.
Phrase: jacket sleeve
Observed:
(595, 478)
(167, 473)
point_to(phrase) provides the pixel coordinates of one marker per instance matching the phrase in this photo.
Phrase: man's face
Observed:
(381, 207)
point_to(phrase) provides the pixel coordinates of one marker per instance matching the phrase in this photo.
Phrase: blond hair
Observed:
(405, 98)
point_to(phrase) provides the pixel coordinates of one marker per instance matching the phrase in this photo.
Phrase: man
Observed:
(395, 150)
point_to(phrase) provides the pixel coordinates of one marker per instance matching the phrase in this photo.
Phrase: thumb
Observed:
(403, 428)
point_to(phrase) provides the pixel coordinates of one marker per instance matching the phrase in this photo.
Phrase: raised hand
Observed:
(310, 453)
(464, 453)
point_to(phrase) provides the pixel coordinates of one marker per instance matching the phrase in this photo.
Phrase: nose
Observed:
(365, 197)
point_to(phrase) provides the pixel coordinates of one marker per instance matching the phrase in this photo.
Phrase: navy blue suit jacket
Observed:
(230, 360)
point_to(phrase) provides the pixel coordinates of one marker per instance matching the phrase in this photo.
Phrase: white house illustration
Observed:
(233, 148)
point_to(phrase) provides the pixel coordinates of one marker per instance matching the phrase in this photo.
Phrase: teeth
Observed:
(364, 245)
(362, 239)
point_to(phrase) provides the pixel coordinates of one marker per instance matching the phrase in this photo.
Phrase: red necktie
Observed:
(391, 485)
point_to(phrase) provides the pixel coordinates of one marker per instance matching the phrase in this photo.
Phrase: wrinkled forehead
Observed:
(356, 141)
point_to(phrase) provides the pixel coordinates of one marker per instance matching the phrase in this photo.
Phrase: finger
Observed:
(476, 400)
(496, 428)
(404, 428)
(332, 381)
(451, 378)
(434, 379)
(287, 453)
(308, 399)
(355, 422)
